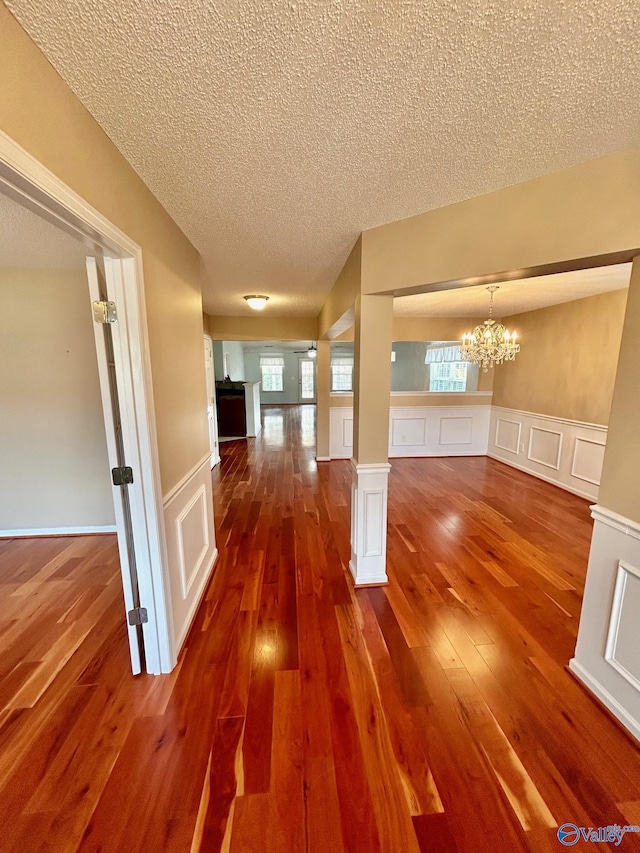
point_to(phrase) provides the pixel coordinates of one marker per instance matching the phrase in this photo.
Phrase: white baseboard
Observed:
(323, 459)
(25, 533)
(605, 697)
(554, 482)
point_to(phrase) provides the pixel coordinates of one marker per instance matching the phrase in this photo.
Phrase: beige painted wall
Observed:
(555, 222)
(41, 113)
(337, 314)
(620, 488)
(53, 452)
(262, 327)
(567, 364)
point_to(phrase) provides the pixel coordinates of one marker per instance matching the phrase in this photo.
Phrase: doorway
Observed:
(307, 380)
(26, 182)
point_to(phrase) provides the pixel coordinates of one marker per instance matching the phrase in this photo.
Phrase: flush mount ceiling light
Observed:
(489, 343)
(257, 302)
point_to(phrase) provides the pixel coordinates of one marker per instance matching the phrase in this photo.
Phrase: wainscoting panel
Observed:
(588, 456)
(458, 430)
(188, 517)
(623, 640)
(507, 435)
(545, 446)
(560, 451)
(420, 431)
(606, 658)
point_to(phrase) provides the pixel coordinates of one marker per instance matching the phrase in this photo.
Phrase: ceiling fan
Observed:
(312, 352)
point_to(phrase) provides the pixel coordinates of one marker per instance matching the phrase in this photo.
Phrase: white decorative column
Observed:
(372, 390)
(369, 484)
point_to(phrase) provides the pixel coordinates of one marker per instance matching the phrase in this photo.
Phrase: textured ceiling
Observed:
(515, 297)
(26, 240)
(274, 132)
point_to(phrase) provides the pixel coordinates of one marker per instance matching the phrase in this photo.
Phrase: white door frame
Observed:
(212, 411)
(315, 381)
(33, 186)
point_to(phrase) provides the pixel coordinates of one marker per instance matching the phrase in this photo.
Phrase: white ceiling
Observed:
(274, 132)
(515, 297)
(26, 240)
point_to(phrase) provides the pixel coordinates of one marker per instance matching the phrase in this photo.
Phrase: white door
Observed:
(115, 449)
(212, 414)
(307, 380)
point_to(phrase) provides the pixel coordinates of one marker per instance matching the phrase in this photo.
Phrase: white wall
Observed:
(53, 456)
(561, 451)
(290, 378)
(420, 431)
(235, 360)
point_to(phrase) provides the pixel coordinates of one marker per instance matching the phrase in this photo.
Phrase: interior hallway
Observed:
(432, 715)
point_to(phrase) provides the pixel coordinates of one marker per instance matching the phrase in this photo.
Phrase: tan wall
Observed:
(337, 313)
(620, 489)
(567, 364)
(432, 328)
(53, 451)
(41, 113)
(261, 327)
(559, 221)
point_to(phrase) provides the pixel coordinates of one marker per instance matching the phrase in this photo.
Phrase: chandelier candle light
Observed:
(489, 343)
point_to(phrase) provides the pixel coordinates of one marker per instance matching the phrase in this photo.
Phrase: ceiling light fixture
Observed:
(489, 343)
(312, 352)
(257, 302)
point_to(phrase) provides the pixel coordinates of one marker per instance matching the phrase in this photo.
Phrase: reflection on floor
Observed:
(434, 714)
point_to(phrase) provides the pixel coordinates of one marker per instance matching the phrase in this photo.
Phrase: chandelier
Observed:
(489, 343)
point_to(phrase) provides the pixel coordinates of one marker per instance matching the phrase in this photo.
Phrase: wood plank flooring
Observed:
(434, 714)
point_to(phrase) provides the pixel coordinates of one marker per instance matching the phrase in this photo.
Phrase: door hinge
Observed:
(122, 476)
(138, 616)
(105, 312)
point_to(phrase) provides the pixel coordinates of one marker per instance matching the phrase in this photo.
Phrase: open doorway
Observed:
(139, 526)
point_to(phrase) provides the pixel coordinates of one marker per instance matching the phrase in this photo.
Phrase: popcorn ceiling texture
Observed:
(274, 132)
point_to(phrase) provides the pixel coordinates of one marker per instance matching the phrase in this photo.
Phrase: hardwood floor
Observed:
(434, 714)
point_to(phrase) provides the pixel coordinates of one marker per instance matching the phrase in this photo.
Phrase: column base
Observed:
(369, 490)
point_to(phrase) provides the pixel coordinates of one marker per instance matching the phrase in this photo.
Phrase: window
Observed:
(448, 376)
(341, 374)
(272, 367)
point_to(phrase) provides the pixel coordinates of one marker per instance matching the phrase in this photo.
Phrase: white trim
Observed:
(527, 470)
(188, 575)
(171, 494)
(624, 570)
(371, 467)
(605, 697)
(601, 427)
(30, 183)
(616, 521)
(56, 531)
(197, 599)
(503, 446)
(575, 453)
(323, 459)
(533, 429)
